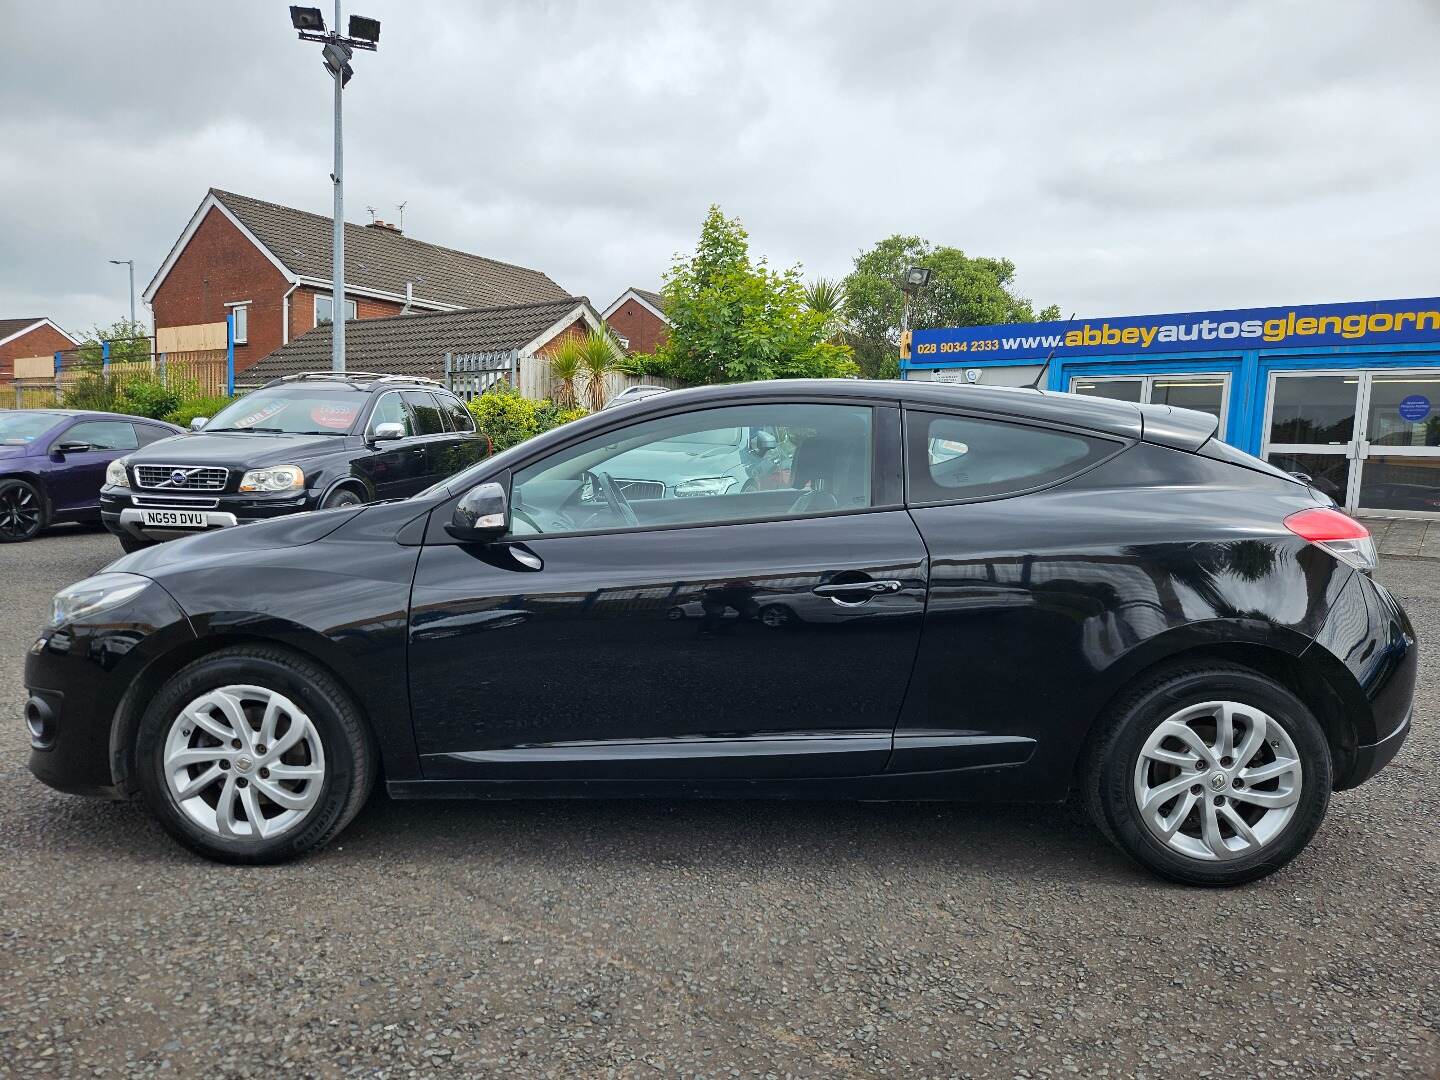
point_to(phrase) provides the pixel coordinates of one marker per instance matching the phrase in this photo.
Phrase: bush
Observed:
(92, 392)
(506, 418)
(200, 406)
(145, 396)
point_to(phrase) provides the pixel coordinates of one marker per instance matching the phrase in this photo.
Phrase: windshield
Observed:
(292, 410)
(19, 428)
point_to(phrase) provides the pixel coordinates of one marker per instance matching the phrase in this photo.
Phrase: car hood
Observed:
(19, 450)
(240, 450)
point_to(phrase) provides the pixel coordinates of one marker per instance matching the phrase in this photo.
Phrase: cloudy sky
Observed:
(1129, 157)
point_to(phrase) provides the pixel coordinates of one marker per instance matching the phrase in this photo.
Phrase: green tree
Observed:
(565, 371)
(599, 355)
(733, 320)
(826, 297)
(963, 291)
(128, 342)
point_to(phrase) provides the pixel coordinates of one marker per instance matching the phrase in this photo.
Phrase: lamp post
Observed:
(916, 278)
(131, 264)
(336, 52)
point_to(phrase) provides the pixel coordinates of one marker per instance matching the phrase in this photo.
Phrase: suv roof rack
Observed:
(355, 377)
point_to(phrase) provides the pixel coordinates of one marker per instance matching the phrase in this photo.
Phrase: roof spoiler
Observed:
(1182, 429)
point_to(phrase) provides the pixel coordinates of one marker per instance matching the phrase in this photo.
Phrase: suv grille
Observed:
(181, 477)
(639, 490)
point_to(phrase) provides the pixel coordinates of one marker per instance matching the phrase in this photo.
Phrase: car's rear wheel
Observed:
(253, 755)
(1209, 775)
(22, 511)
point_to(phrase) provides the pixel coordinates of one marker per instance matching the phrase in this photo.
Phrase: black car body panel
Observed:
(697, 660)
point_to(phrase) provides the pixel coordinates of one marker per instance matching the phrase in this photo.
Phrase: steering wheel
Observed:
(616, 498)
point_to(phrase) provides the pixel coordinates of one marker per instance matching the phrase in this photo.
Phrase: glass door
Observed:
(1400, 447)
(1312, 428)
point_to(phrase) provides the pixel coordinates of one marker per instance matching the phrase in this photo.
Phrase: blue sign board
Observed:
(1374, 322)
(1414, 408)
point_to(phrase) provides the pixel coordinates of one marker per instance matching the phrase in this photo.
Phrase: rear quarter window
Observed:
(954, 458)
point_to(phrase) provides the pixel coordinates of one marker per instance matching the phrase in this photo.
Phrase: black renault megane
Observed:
(884, 590)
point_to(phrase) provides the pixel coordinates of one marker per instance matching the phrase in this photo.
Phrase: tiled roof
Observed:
(384, 260)
(14, 326)
(653, 298)
(415, 344)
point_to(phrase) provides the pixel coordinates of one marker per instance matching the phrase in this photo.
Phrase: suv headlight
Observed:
(95, 594)
(705, 485)
(275, 478)
(115, 475)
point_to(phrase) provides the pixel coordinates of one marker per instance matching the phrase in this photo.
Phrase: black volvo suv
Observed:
(305, 442)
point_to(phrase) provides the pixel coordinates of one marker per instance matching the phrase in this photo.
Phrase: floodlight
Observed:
(307, 18)
(364, 29)
(916, 278)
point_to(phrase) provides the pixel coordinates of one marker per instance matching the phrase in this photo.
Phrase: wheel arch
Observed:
(1327, 689)
(37, 481)
(347, 483)
(147, 683)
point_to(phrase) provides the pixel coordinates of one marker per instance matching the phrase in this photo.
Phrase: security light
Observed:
(307, 18)
(337, 61)
(916, 278)
(364, 29)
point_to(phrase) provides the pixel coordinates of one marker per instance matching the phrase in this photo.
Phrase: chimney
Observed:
(388, 226)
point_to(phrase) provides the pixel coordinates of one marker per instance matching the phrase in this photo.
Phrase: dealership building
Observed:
(1347, 393)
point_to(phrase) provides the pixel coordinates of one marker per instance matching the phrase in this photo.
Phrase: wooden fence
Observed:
(39, 383)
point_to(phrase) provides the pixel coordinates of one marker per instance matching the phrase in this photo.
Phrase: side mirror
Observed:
(388, 432)
(762, 442)
(198, 422)
(73, 447)
(481, 515)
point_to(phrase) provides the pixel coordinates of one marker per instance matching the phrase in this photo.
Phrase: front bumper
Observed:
(123, 512)
(1370, 759)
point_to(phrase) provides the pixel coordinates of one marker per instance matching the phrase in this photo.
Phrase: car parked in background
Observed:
(53, 463)
(957, 593)
(304, 442)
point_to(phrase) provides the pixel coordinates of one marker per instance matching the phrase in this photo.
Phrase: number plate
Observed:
(173, 519)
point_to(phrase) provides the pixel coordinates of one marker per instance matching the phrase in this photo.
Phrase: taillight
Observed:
(1340, 535)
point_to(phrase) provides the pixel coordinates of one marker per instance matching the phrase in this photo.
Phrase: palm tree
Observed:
(565, 363)
(826, 298)
(599, 355)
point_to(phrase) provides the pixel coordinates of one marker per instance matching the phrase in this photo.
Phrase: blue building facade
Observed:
(1347, 393)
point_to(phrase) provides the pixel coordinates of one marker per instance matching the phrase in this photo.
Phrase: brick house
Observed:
(516, 339)
(271, 265)
(638, 316)
(36, 336)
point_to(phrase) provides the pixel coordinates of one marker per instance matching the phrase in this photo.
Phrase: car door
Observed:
(462, 447)
(430, 433)
(749, 633)
(396, 468)
(76, 474)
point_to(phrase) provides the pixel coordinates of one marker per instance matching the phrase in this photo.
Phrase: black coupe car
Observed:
(304, 442)
(945, 593)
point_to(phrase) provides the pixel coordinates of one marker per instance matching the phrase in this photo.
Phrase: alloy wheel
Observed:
(1218, 781)
(244, 763)
(19, 512)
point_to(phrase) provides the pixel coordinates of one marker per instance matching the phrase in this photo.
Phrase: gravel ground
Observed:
(714, 939)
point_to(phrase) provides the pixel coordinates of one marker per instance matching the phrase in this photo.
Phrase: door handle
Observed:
(862, 590)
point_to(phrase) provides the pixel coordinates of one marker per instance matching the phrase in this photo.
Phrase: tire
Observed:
(129, 544)
(1235, 820)
(341, 497)
(22, 511)
(330, 768)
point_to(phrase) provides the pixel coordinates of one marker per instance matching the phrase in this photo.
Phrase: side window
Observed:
(744, 462)
(956, 457)
(427, 412)
(391, 410)
(102, 435)
(456, 414)
(148, 433)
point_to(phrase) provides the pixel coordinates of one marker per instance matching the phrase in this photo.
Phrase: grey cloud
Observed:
(1128, 157)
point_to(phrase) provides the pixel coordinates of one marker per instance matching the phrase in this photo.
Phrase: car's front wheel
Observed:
(253, 755)
(1209, 775)
(22, 511)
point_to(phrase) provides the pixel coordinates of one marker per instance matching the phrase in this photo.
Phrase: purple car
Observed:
(53, 461)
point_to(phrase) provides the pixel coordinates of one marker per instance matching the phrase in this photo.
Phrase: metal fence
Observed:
(95, 375)
(470, 374)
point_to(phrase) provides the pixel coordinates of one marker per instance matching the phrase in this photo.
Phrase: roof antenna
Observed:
(372, 214)
(1046, 366)
(401, 208)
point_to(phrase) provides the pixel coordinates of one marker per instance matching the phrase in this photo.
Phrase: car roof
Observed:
(96, 414)
(1181, 428)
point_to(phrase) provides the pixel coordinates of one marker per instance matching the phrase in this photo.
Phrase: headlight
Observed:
(275, 478)
(706, 485)
(115, 474)
(95, 594)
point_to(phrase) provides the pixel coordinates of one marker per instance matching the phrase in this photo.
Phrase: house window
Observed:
(241, 311)
(324, 308)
